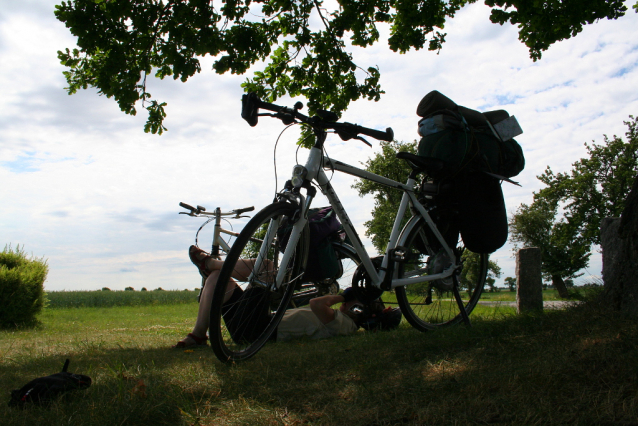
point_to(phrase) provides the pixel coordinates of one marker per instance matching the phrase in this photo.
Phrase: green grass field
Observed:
(103, 299)
(577, 366)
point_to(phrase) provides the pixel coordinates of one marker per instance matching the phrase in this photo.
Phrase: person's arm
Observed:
(322, 307)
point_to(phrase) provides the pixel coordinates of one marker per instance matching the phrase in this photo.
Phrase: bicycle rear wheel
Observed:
(432, 304)
(246, 309)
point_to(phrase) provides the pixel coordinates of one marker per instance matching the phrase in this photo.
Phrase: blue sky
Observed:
(82, 185)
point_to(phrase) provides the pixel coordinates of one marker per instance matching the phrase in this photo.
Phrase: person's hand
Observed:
(348, 295)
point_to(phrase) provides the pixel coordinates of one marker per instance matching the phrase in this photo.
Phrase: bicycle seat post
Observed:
(218, 220)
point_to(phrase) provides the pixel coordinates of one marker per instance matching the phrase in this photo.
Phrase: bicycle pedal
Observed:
(399, 254)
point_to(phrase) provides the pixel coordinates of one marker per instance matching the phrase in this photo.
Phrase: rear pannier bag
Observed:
(465, 139)
(482, 218)
(322, 261)
(471, 205)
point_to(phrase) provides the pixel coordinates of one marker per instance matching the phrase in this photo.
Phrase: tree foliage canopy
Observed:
(598, 184)
(305, 46)
(386, 199)
(564, 251)
(564, 219)
(471, 271)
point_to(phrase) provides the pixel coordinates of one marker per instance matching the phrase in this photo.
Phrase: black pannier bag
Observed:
(466, 140)
(482, 218)
(324, 227)
(471, 205)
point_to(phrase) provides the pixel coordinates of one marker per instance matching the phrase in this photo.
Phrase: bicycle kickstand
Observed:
(459, 301)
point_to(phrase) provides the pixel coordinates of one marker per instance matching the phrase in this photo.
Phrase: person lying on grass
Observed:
(246, 316)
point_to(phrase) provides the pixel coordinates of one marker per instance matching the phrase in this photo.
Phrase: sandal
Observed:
(200, 258)
(199, 341)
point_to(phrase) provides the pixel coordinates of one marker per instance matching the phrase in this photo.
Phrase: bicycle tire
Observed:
(258, 300)
(309, 290)
(431, 305)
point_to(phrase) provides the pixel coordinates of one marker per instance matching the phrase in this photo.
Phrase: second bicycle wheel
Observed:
(246, 307)
(431, 304)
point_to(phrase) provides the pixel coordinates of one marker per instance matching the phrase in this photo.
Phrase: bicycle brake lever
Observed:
(364, 141)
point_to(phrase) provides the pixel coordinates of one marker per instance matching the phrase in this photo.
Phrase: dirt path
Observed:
(547, 304)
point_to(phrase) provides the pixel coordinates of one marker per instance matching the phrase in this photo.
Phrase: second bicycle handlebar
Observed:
(251, 104)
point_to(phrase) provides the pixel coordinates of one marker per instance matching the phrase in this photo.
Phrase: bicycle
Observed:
(421, 267)
(348, 260)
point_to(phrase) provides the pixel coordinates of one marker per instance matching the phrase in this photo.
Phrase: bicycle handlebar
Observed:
(199, 210)
(324, 120)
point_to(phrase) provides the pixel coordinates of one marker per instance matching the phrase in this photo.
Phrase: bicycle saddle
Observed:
(420, 164)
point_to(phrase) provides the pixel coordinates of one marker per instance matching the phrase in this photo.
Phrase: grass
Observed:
(575, 366)
(103, 299)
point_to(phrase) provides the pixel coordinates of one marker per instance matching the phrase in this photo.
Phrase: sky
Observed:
(84, 187)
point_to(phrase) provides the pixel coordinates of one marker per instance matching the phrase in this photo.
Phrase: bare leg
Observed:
(242, 271)
(203, 314)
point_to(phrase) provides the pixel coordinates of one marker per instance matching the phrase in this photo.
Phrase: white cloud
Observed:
(82, 185)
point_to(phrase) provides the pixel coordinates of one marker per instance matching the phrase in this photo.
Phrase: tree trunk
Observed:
(559, 284)
(619, 239)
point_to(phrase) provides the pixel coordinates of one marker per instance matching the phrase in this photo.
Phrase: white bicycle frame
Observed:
(315, 172)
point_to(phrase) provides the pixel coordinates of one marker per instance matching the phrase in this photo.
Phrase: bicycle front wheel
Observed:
(432, 304)
(246, 308)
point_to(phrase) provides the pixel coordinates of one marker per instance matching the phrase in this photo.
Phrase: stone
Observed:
(529, 282)
(619, 243)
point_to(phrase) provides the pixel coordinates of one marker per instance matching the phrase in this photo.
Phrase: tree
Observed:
(595, 188)
(510, 283)
(471, 269)
(386, 199)
(598, 184)
(564, 251)
(121, 42)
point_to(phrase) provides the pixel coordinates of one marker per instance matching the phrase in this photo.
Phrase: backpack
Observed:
(467, 140)
(322, 261)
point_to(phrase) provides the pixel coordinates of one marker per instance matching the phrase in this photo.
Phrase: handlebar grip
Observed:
(186, 206)
(244, 210)
(250, 108)
(388, 135)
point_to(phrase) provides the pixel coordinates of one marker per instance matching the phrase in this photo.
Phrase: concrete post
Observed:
(529, 283)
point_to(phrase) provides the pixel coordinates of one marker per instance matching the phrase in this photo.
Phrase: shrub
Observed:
(21, 287)
(106, 289)
(129, 289)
